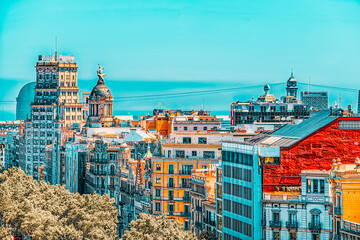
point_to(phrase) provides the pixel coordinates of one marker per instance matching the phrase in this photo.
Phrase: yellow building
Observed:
(345, 194)
(170, 178)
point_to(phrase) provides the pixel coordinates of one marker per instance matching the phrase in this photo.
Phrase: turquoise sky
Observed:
(226, 42)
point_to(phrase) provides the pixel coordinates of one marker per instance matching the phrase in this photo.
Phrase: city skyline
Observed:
(210, 45)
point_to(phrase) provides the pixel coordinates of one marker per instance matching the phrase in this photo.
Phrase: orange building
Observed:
(171, 175)
(345, 194)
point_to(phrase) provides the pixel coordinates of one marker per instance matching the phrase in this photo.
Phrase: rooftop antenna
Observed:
(292, 72)
(340, 101)
(55, 48)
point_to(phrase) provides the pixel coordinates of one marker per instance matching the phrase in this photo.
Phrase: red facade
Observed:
(313, 152)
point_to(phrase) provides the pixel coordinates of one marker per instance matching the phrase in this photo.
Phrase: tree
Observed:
(50, 212)
(159, 228)
(5, 232)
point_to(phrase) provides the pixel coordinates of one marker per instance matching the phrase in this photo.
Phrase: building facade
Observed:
(55, 106)
(299, 212)
(241, 191)
(315, 100)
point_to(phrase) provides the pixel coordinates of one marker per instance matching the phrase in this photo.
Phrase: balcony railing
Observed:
(97, 172)
(185, 172)
(338, 211)
(351, 227)
(211, 222)
(185, 214)
(292, 224)
(199, 209)
(186, 185)
(170, 185)
(315, 226)
(198, 225)
(275, 224)
(171, 197)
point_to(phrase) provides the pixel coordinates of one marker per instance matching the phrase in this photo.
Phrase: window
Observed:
(293, 236)
(157, 207)
(315, 186)
(263, 108)
(175, 128)
(194, 153)
(171, 195)
(205, 128)
(171, 208)
(171, 182)
(171, 168)
(202, 140)
(186, 225)
(157, 180)
(276, 235)
(292, 217)
(308, 185)
(322, 186)
(185, 128)
(157, 192)
(276, 217)
(209, 154)
(186, 140)
(195, 129)
(186, 169)
(158, 167)
(180, 153)
(169, 153)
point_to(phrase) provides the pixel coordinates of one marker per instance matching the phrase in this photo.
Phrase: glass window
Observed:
(157, 207)
(157, 180)
(158, 167)
(186, 140)
(180, 153)
(171, 207)
(175, 128)
(171, 168)
(195, 128)
(202, 140)
(209, 154)
(185, 128)
(315, 186)
(322, 186)
(171, 182)
(194, 153)
(157, 192)
(308, 185)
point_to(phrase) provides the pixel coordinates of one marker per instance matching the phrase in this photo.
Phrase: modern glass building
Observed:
(241, 185)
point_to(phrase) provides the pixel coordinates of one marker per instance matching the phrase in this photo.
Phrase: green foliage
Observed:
(159, 228)
(52, 212)
(5, 232)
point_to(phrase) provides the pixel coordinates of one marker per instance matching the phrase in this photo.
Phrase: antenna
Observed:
(55, 48)
(340, 101)
(292, 72)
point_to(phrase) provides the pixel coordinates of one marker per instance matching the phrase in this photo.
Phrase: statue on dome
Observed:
(100, 74)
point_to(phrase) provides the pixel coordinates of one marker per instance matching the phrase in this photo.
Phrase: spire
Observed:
(292, 73)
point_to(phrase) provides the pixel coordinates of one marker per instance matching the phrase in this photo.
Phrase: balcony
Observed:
(337, 211)
(199, 209)
(170, 185)
(292, 224)
(185, 214)
(209, 221)
(186, 185)
(353, 228)
(185, 172)
(275, 224)
(98, 172)
(315, 227)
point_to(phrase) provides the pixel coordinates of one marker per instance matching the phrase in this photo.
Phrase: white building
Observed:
(299, 212)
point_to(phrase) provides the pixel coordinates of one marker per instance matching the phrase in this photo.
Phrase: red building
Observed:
(312, 144)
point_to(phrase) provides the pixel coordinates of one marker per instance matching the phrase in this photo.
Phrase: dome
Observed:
(23, 101)
(100, 90)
